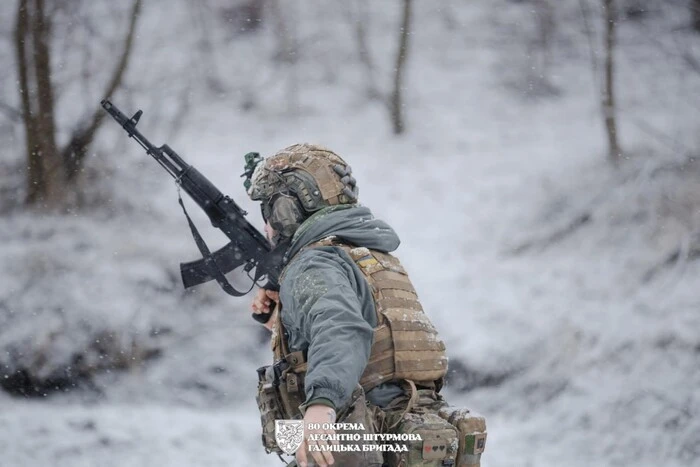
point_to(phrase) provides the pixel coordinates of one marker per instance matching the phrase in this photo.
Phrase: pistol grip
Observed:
(263, 318)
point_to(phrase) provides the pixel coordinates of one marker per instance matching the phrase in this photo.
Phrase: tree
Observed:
(614, 152)
(396, 103)
(540, 50)
(53, 171)
(359, 18)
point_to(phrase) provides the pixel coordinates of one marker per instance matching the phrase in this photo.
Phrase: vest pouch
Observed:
(472, 435)
(358, 413)
(269, 407)
(419, 354)
(437, 446)
(291, 393)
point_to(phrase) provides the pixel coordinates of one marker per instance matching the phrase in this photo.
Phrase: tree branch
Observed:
(74, 152)
(396, 99)
(585, 14)
(608, 104)
(35, 176)
(359, 19)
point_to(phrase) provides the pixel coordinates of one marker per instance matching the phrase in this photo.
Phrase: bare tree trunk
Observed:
(51, 171)
(35, 172)
(360, 20)
(396, 104)
(614, 152)
(54, 175)
(695, 10)
(538, 47)
(546, 27)
(46, 181)
(595, 68)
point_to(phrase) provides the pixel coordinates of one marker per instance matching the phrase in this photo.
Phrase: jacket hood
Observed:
(351, 223)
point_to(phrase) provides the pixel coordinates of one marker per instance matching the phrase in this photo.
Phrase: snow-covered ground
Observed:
(572, 353)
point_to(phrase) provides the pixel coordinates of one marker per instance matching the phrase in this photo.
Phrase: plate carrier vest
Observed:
(405, 345)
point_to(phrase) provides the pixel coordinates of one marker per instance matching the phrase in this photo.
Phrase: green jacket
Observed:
(327, 305)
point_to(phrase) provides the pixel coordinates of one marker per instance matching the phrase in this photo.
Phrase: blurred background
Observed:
(538, 159)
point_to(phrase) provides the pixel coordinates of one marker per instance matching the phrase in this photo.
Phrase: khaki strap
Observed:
(417, 341)
(401, 303)
(390, 275)
(411, 402)
(283, 342)
(419, 361)
(396, 293)
(292, 383)
(415, 322)
(381, 341)
(296, 361)
(279, 345)
(295, 358)
(382, 283)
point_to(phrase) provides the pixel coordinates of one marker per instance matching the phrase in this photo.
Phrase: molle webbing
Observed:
(405, 343)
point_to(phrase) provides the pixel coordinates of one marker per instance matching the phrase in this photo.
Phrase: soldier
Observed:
(350, 340)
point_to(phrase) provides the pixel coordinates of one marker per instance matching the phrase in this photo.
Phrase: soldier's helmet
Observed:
(298, 181)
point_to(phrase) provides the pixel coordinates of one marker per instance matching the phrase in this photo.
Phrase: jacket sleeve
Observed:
(321, 312)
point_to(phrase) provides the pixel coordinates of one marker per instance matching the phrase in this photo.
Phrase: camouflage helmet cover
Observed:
(317, 176)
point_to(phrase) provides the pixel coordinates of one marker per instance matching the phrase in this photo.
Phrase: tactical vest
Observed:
(405, 345)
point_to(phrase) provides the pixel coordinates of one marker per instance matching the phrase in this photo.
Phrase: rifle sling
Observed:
(210, 265)
(226, 258)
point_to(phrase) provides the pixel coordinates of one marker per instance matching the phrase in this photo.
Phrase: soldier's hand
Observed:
(318, 415)
(262, 303)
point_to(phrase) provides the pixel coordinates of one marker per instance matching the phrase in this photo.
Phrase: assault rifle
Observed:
(248, 247)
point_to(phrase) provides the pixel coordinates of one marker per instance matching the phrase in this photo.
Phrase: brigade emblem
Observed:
(289, 435)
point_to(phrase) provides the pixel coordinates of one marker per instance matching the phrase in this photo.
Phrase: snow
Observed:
(579, 360)
(118, 435)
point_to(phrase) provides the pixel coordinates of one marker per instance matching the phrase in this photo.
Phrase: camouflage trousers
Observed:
(418, 429)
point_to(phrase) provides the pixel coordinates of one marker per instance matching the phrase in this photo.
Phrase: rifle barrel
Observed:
(129, 125)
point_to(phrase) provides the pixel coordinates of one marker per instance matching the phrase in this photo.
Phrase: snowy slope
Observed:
(573, 357)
